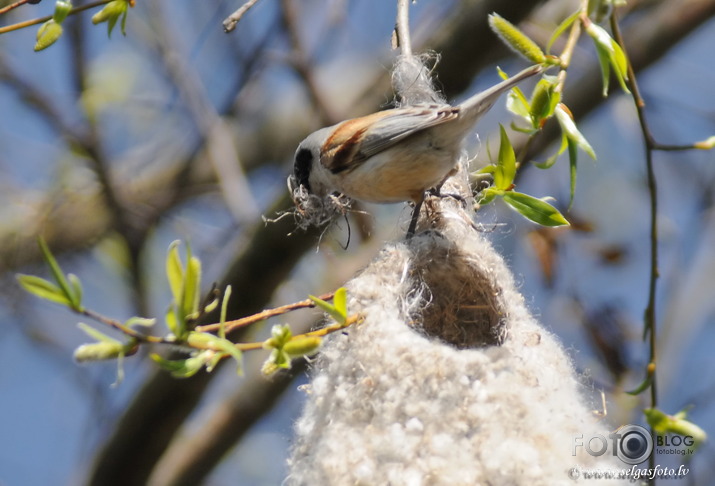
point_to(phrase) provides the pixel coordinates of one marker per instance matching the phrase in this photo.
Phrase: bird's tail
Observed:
(473, 108)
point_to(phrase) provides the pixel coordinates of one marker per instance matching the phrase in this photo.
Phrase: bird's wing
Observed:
(375, 133)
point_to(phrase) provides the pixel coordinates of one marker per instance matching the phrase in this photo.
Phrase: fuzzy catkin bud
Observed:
(516, 39)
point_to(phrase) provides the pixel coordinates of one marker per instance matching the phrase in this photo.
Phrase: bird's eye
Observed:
(301, 168)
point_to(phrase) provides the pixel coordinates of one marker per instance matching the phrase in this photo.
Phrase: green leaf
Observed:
(47, 34)
(205, 339)
(573, 159)
(192, 285)
(224, 307)
(534, 209)
(608, 49)
(605, 64)
(172, 322)
(57, 273)
(506, 163)
(302, 346)
(568, 127)
(111, 22)
(43, 288)
(340, 302)
(140, 321)
(328, 308)
(488, 195)
(544, 100)
(95, 334)
(98, 351)
(184, 368)
(706, 144)
(175, 271)
(110, 14)
(548, 163)
(124, 23)
(62, 9)
(644, 385)
(662, 423)
(516, 100)
(561, 29)
(77, 293)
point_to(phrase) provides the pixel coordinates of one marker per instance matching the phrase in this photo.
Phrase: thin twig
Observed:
(649, 143)
(323, 331)
(115, 324)
(568, 50)
(13, 6)
(230, 22)
(402, 27)
(261, 316)
(29, 23)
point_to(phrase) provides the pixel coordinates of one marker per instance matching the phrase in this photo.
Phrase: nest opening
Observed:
(460, 302)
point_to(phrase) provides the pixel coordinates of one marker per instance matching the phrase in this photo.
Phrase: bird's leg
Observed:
(415, 217)
(436, 192)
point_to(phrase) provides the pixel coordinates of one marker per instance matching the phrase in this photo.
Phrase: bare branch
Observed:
(230, 22)
(402, 27)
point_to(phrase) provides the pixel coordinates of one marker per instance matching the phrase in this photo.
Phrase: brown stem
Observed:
(650, 145)
(29, 23)
(263, 315)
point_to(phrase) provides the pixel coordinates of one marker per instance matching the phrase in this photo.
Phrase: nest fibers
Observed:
(448, 381)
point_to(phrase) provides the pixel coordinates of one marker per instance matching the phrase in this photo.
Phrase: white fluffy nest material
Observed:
(448, 381)
(392, 403)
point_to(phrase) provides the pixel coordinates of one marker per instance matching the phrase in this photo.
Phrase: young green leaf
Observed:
(643, 386)
(184, 368)
(663, 424)
(98, 351)
(544, 100)
(62, 10)
(534, 209)
(340, 301)
(706, 144)
(43, 289)
(548, 163)
(172, 323)
(516, 102)
(568, 127)
(57, 274)
(488, 195)
(175, 271)
(506, 163)
(302, 346)
(608, 49)
(140, 321)
(110, 14)
(224, 307)
(47, 34)
(329, 309)
(77, 292)
(561, 29)
(573, 160)
(192, 285)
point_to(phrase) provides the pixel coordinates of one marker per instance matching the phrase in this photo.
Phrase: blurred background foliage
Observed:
(113, 148)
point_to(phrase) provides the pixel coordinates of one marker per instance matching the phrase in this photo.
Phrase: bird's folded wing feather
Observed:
(378, 132)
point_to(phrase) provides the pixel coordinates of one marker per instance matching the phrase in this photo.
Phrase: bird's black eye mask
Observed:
(301, 168)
